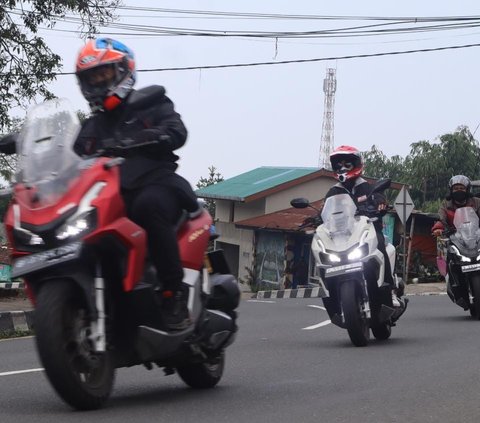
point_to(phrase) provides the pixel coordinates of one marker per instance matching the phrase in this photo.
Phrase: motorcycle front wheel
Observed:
(475, 307)
(356, 324)
(205, 374)
(82, 377)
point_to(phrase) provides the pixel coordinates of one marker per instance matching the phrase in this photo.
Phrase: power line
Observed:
(284, 62)
(428, 24)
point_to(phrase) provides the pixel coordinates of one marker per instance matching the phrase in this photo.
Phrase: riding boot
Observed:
(175, 313)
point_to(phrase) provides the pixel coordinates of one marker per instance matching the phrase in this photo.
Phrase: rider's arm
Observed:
(442, 224)
(165, 127)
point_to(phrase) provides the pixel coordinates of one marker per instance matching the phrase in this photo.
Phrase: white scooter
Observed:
(351, 268)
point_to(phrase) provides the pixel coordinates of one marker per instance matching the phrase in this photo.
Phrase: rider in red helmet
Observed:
(154, 194)
(347, 163)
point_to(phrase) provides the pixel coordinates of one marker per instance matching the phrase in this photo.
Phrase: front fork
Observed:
(365, 306)
(98, 334)
(365, 302)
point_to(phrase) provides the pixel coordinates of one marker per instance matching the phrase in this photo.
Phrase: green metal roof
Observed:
(253, 182)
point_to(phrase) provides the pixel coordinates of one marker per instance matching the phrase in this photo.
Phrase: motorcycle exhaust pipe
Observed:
(219, 329)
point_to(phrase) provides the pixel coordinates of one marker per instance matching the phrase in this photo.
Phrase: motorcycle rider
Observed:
(460, 195)
(347, 163)
(154, 194)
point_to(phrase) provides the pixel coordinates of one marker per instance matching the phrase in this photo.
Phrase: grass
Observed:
(7, 334)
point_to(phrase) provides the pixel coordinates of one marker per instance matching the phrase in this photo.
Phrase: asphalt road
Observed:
(278, 371)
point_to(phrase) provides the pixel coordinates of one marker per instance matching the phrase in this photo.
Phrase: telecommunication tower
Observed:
(326, 143)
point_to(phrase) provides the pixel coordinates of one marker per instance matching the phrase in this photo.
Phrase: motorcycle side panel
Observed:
(193, 239)
(134, 238)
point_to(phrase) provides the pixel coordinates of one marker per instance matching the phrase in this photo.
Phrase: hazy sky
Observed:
(242, 118)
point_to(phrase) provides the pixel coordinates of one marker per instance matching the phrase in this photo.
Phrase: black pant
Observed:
(157, 209)
(388, 269)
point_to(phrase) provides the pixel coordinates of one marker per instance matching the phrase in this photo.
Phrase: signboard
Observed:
(388, 227)
(5, 272)
(404, 205)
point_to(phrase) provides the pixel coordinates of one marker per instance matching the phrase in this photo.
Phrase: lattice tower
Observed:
(327, 140)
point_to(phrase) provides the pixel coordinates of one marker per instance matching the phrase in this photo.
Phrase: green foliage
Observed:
(429, 166)
(27, 65)
(213, 178)
(432, 206)
(7, 334)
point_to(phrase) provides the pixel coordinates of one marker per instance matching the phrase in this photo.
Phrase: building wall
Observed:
(312, 190)
(241, 211)
(247, 210)
(222, 210)
(242, 238)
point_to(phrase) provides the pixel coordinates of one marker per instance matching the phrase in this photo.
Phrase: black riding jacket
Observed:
(148, 108)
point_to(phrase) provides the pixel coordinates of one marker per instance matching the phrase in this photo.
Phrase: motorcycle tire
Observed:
(356, 324)
(82, 377)
(475, 307)
(203, 375)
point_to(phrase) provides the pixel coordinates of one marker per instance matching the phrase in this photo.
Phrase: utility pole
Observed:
(326, 143)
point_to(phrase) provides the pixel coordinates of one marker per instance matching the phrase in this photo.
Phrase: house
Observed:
(259, 229)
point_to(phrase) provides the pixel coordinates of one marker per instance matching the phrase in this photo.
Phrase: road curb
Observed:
(16, 321)
(12, 285)
(312, 293)
(291, 293)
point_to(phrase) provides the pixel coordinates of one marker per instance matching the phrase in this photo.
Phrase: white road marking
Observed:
(261, 301)
(318, 325)
(317, 306)
(18, 372)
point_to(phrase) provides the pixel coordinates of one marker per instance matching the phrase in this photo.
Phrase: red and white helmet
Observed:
(346, 162)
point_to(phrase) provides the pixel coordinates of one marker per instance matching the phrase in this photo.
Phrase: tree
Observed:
(377, 165)
(27, 65)
(429, 166)
(213, 178)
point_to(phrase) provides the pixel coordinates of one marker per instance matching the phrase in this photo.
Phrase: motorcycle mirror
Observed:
(300, 203)
(8, 144)
(381, 185)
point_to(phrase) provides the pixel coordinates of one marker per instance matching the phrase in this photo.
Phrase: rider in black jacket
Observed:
(347, 163)
(154, 194)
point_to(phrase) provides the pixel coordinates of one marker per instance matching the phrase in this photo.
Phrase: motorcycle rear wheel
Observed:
(356, 324)
(203, 375)
(81, 377)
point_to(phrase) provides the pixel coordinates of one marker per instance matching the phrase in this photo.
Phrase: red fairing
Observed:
(134, 238)
(193, 241)
(109, 201)
(110, 214)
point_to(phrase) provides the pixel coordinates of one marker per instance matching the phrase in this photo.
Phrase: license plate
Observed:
(470, 267)
(343, 269)
(33, 262)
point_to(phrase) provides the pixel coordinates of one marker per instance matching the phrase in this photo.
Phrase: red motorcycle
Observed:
(87, 271)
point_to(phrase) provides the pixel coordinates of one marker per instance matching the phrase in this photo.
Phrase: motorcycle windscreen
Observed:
(338, 216)
(47, 162)
(466, 222)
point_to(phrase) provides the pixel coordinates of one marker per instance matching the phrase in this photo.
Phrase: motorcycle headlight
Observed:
(358, 253)
(329, 258)
(462, 258)
(26, 237)
(77, 225)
